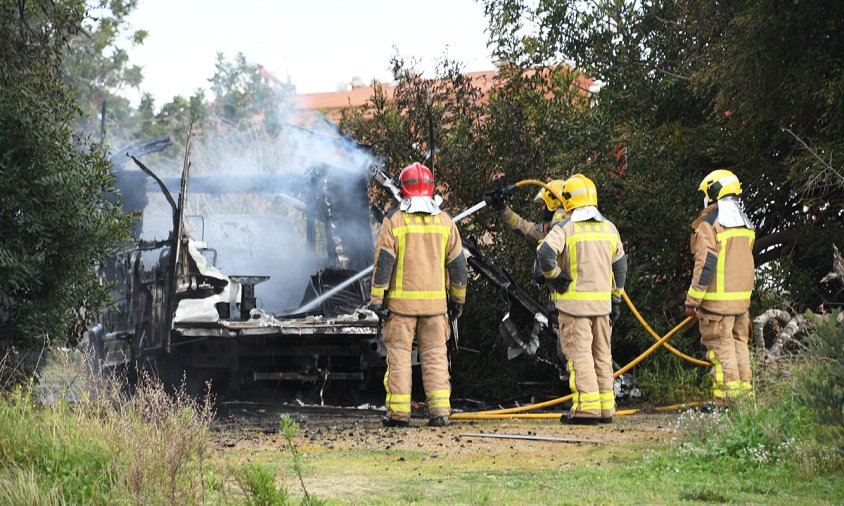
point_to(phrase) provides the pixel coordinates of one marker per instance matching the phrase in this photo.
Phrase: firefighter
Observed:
(583, 261)
(722, 281)
(533, 233)
(420, 278)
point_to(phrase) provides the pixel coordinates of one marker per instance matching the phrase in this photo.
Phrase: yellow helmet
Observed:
(579, 191)
(719, 183)
(550, 200)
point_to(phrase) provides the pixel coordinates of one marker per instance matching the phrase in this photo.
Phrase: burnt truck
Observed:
(225, 277)
(248, 278)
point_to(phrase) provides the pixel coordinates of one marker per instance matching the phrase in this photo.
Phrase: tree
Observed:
(55, 221)
(96, 65)
(696, 85)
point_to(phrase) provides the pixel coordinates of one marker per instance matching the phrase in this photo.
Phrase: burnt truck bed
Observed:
(266, 348)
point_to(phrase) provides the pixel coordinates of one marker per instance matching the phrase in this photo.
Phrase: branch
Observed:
(827, 165)
(780, 241)
(837, 267)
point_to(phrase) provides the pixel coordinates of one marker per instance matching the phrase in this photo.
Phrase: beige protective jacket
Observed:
(416, 257)
(589, 253)
(723, 275)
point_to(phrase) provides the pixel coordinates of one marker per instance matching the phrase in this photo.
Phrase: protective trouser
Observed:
(431, 333)
(586, 344)
(725, 339)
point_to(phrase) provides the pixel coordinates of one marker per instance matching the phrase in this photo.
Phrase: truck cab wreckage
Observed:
(240, 298)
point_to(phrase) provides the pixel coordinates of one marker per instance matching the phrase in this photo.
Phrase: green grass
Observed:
(660, 476)
(667, 379)
(54, 453)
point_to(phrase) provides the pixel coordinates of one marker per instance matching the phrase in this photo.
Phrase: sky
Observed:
(318, 44)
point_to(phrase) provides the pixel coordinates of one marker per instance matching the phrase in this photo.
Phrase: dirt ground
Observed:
(350, 454)
(319, 432)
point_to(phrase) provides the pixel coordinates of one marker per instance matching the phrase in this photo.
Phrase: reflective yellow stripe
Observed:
(412, 294)
(439, 399)
(590, 396)
(551, 274)
(572, 384)
(421, 229)
(719, 371)
(444, 246)
(718, 380)
(607, 396)
(698, 294)
(512, 220)
(399, 403)
(581, 296)
(457, 292)
(378, 291)
(558, 216)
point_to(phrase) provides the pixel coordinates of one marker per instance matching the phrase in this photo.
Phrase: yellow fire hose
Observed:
(656, 336)
(518, 412)
(560, 400)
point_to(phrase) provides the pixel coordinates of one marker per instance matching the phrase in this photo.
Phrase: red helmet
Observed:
(417, 181)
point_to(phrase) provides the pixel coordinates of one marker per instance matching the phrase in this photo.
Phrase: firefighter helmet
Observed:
(551, 201)
(719, 183)
(416, 181)
(579, 191)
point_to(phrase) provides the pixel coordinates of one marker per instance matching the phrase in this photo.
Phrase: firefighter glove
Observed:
(560, 284)
(380, 311)
(496, 199)
(455, 310)
(615, 312)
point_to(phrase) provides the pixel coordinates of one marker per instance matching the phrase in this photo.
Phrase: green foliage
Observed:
(258, 482)
(692, 86)
(822, 387)
(57, 453)
(776, 430)
(667, 379)
(96, 64)
(55, 221)
(103, 448)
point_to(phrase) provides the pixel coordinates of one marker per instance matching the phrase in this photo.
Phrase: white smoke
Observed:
(247, 200)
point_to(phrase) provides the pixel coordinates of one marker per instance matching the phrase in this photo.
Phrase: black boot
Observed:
(392, 422)
(569, 419)
(438, 421)
(605, 419)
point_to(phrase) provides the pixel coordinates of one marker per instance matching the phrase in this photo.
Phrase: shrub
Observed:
(258, 483)
(821, 389)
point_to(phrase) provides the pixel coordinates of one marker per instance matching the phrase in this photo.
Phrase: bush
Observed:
(776, 429)
(822, 387)
(258, 483)
(667, 379)
(104, 448)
